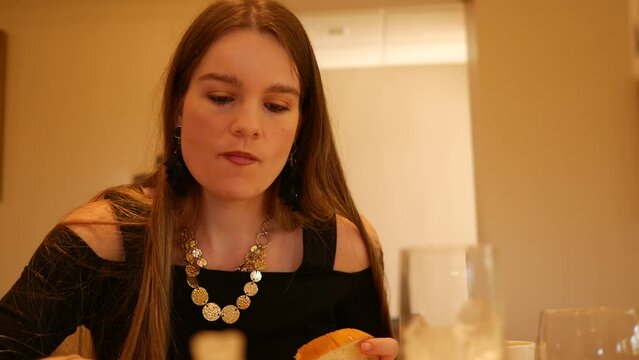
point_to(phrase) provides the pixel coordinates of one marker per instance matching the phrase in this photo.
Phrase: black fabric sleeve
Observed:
(50, 299)
(361, 310)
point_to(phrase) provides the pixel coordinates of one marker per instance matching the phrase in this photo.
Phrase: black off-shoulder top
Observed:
(66, 285)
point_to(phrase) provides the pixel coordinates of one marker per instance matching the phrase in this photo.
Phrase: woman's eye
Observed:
(220, 99)
(275, 108)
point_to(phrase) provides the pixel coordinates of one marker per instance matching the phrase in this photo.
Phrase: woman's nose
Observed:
(246, 122)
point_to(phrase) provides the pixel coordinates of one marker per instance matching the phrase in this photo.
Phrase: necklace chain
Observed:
(254, 262)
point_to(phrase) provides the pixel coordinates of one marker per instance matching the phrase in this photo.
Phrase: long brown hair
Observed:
(324, 188)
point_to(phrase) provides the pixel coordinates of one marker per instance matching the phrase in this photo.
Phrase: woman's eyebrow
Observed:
(281, 88)
(229, 79)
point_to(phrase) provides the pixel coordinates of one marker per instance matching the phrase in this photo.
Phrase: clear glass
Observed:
(589, 333)
(449, 307)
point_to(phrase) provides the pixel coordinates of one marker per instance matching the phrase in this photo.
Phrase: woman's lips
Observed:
(240, 157)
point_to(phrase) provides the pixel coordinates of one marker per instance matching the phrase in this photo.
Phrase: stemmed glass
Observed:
(589, 333)
(449, 304)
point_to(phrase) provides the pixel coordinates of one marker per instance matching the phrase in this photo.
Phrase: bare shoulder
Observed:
(351, 254)
(95, 224)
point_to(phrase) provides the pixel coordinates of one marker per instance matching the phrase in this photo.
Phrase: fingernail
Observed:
(366, 346)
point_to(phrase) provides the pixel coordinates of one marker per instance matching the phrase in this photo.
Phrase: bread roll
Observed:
(342, 344)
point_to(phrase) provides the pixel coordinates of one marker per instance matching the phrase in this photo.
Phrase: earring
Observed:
(291, 182)
(177, 174)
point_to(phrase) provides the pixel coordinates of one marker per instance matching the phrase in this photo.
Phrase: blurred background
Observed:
(505, 122)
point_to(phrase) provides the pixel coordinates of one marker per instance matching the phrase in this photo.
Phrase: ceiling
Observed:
(387, 36)
(321, 5)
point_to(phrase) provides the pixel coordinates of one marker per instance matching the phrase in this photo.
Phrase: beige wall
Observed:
(81, 99)
(556, 141)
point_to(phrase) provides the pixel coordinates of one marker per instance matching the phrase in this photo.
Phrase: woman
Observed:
(248, 224)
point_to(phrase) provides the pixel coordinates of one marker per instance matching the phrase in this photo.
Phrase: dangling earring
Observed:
(291, 182)
(177, 174)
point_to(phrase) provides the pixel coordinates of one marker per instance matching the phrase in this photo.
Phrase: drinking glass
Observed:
(449, 307)
(589, 333)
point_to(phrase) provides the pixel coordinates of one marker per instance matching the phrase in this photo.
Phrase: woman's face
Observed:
(240, 115)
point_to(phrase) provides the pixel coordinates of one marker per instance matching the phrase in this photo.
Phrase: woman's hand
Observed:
(385, 348)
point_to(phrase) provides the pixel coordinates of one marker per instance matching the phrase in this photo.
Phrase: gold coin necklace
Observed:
(253, 263)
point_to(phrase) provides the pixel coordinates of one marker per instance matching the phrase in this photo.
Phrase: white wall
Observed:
(404, 135)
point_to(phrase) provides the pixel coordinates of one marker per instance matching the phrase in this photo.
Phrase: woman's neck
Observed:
(229, 227)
